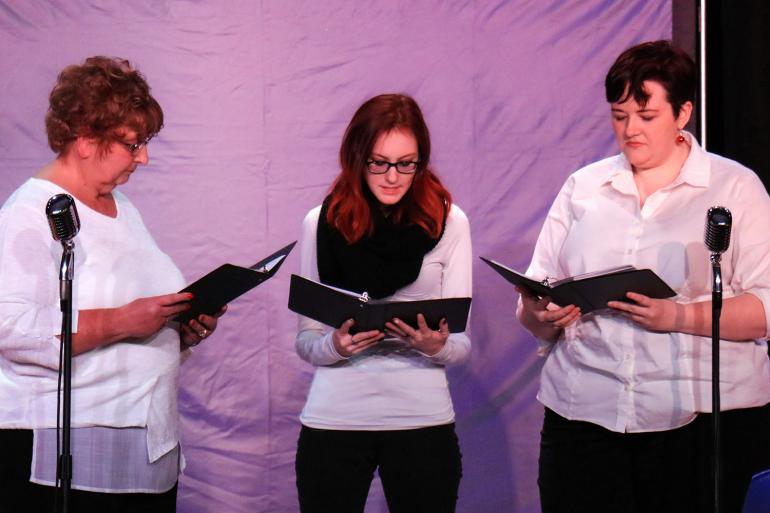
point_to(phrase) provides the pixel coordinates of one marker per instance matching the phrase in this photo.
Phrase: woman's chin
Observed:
(388, 199)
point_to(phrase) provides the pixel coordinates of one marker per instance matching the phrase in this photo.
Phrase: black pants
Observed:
(586, 468)
(420, 469)
(18, 495)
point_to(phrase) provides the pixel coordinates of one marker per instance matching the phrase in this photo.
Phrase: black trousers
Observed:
(420, 469)
(19, 495)
(586, 468)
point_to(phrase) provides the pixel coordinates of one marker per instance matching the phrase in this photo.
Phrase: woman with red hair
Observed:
(380, 400)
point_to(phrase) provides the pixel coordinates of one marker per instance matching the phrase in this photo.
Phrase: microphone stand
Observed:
(716, 311)
(64, 464)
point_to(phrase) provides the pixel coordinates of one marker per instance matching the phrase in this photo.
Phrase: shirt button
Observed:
(626, 356)
(627, 387)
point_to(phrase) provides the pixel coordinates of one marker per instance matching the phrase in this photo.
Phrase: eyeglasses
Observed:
(380, 167)
(135, 147)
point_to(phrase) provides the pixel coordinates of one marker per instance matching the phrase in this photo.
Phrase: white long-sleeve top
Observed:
(387, 387)
(127, 384)
(609, 371)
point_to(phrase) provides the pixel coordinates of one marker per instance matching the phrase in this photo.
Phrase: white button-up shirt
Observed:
(607, 370)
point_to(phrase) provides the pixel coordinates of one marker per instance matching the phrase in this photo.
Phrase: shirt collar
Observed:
(696, 170)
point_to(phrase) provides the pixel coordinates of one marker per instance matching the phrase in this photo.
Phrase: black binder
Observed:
(333, 306)
(228, 282)
(591, 291)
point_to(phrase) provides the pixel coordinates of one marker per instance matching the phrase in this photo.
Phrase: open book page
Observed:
(272, 262)
(266, 268)
(228, 281)
(344, 291)
(585, 276)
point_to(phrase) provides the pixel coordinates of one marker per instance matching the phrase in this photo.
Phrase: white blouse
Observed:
(609, 371)
(127, 384)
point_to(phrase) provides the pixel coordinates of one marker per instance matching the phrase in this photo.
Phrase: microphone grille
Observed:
(62, 217)
(719, 222)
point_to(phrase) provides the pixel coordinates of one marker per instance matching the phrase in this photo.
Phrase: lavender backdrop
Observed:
(257, 95)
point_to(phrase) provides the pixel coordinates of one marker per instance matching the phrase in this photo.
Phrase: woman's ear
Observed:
(85, 147)
(685, 111)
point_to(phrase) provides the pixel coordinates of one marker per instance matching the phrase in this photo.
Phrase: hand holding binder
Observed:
(591, 291)
(423, 339)
(348, 344)
(228, 281)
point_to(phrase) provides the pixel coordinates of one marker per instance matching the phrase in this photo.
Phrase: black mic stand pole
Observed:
(716, 312)
(64, 464)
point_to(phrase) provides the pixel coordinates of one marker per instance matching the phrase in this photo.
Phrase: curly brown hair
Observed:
(97, 99)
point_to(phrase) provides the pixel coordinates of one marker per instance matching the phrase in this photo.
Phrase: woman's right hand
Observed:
(140, 318)
(145, 316)
(348, 345)
(541, 320)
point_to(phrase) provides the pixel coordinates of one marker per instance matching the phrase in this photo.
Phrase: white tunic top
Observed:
(128, 384)
(387, 387)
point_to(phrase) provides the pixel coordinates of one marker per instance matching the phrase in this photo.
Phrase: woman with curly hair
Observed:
(126, 345)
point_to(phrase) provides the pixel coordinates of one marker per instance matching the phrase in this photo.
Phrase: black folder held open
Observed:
(229, 281)
(333, 306)
(591, 291)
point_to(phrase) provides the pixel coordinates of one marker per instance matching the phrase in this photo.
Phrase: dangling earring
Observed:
(680, 138)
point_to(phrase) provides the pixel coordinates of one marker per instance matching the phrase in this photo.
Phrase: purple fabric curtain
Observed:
(257, 95)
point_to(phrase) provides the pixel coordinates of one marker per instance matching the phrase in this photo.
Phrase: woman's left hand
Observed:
(653, 314)
(423, 338)
(200, 328)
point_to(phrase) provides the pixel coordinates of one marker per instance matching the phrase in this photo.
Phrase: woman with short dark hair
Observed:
(380, 401)
(627, 390)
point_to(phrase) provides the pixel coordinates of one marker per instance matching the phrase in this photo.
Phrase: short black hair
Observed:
(658, 61)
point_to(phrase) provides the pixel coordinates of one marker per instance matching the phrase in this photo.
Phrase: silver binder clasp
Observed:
(546, 281)
(364, 298)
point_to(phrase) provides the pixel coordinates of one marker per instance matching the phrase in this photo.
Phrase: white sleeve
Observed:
(30, 316)
(751, 243)
(314, 339)
(456, 281)
(545, 258)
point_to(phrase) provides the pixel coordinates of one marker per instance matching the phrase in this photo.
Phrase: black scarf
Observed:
(379, 264)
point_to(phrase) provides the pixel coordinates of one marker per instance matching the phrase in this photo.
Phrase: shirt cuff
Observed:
(185, 353)
(441, 357)
(75, 317)
(764, 296)
(328, 342)
(544, 347)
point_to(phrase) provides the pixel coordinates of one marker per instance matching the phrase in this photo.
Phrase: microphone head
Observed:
(62, 217)
(719, 222)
